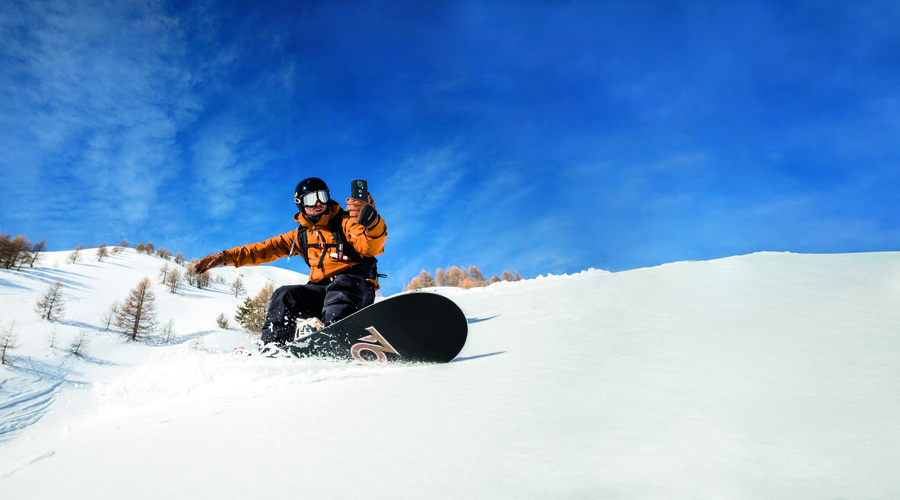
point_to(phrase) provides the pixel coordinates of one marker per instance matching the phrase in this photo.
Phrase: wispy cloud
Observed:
(428, 180)
(99, 98)
(223, 159)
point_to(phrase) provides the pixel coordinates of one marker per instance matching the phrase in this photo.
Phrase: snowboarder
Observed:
(339, 246)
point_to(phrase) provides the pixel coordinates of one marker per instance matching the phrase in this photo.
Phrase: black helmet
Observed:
(309, 191)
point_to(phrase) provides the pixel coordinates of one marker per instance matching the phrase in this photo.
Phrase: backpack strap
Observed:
(340, 239)
(367, 267)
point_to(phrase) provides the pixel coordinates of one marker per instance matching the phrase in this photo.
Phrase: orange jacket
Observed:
(368, 242)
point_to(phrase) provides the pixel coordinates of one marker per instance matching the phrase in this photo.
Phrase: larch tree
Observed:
(37, 252)
(167, 333)
(173, 280)
(252, 314)
(238, 286)
(190, 276)
(9, 340)
(423, 280)
(52, 305)
(455, 276)
(14, 252)
(137, 315)
(109, 317)
(102, 252)
(75, 256)
(79, 344)
(164, 273)
(477, 276)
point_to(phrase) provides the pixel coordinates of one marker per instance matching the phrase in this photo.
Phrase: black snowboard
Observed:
(414, 327)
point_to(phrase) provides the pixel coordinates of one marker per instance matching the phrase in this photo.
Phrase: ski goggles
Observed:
(309, 199)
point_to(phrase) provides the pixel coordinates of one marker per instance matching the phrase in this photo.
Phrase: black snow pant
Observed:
(329, 302)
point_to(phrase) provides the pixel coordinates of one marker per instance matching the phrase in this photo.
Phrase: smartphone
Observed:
(359, 189)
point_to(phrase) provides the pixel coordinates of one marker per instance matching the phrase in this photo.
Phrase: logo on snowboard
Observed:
(378, 346)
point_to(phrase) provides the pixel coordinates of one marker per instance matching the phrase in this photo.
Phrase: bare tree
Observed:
(164, 273)
(196, 343)
(179, 258)
(109, 317)
(173, 280)
(79, 345)
(190, 277)
(52, 338)
(203, 280)
(102, 252)
(75, 256)
(52, 305)
(9, 340)
(238, 286)
(440, 279)
(167, 333)
(14, 252)
(137, 316)
(24, 253)
(37, 252)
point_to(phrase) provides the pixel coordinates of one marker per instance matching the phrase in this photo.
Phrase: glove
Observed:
(209, 262)
(363, 213)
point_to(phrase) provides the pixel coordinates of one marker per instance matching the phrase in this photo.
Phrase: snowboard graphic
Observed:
(414, 327)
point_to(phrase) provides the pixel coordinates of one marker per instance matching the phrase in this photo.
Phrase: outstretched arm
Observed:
(209, 262)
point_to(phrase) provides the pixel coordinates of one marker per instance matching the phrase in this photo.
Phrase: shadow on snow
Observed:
(469, 358)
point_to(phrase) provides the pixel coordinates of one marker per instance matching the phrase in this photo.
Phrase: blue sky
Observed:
(537, 136)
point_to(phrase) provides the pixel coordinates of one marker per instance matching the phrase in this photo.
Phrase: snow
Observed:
(771, 375)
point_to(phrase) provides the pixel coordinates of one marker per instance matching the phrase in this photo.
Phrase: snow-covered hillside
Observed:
(761, 376)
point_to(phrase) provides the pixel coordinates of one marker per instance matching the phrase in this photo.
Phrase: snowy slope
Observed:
(760, 376)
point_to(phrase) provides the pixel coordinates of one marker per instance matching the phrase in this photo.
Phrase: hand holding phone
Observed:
(360, 204)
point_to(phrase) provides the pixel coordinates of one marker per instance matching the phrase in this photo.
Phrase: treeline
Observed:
(470, 277)
(17, 252)
(148, 248)
(169, 275)
(135, 316)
